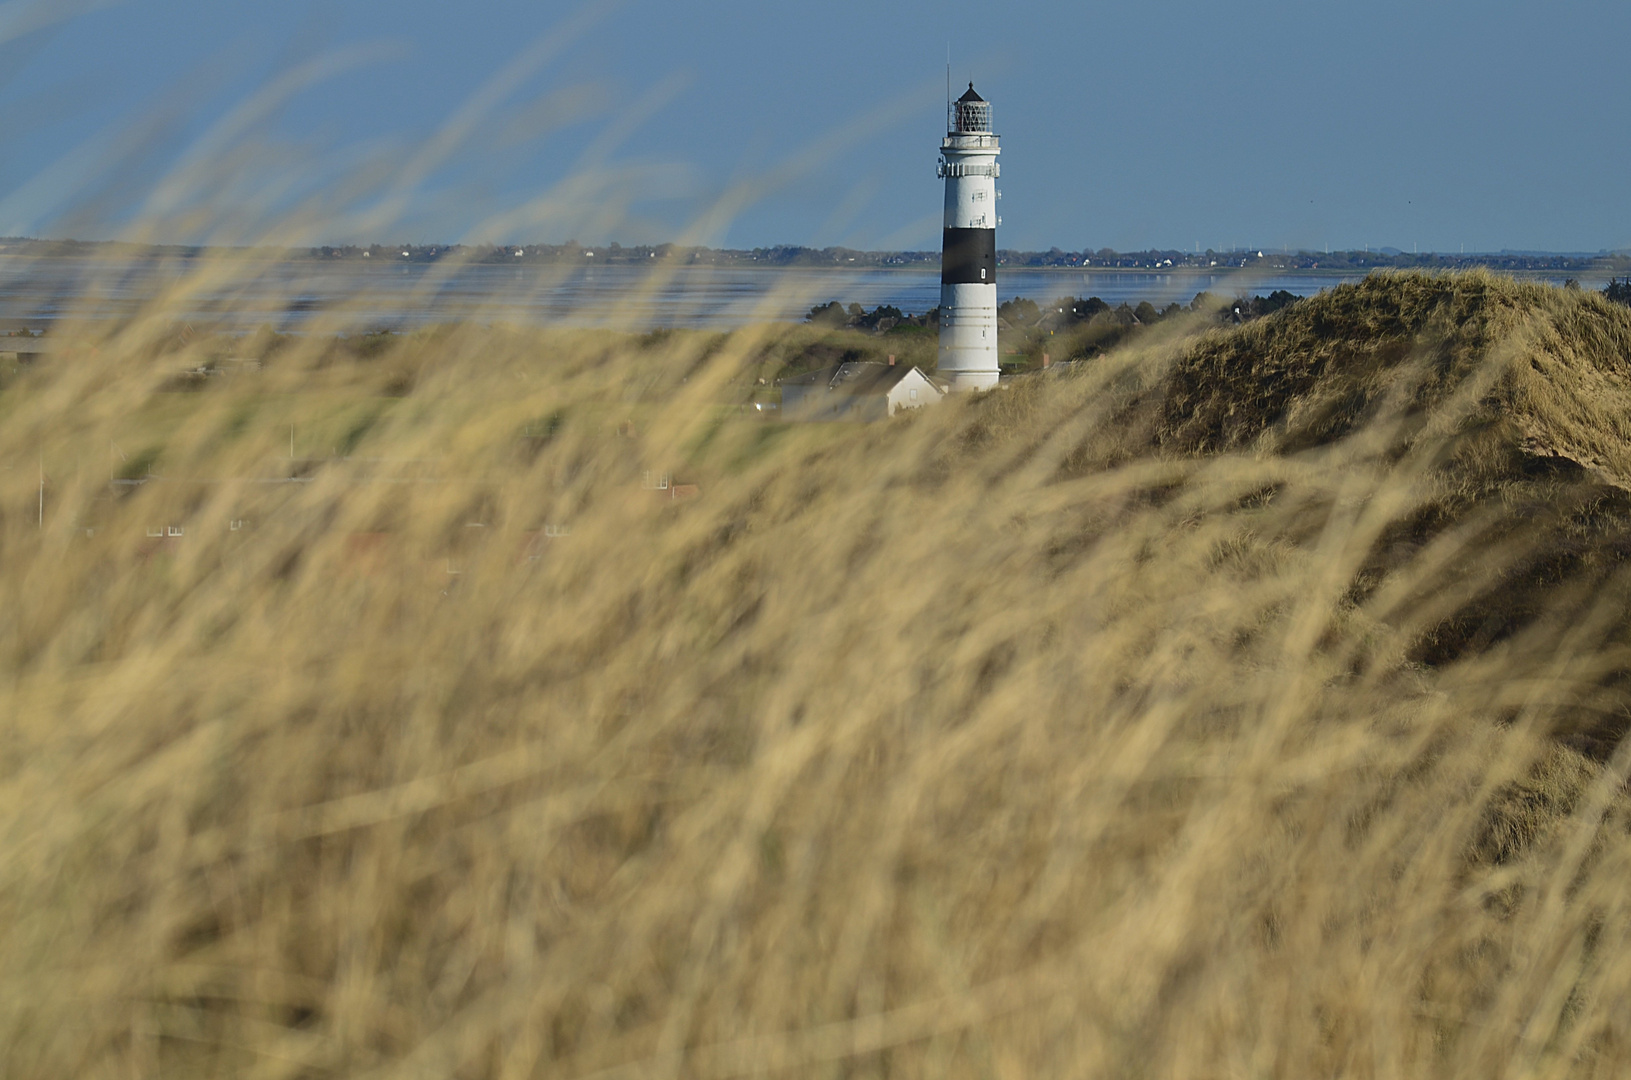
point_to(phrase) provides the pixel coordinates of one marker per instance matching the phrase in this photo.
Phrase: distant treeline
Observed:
(1066, 329)
(572, 252)
(1067, 311)
(1033, 334)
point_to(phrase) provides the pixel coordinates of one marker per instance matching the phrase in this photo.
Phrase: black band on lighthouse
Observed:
(968, 257)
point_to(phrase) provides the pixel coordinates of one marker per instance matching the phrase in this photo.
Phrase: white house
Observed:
(857, 391)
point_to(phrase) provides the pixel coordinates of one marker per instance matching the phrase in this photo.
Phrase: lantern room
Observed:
(971, 114)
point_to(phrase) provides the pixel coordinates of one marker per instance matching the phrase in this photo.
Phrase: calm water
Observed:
(295, 296)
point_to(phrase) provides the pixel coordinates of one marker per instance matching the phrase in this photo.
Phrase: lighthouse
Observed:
(968, 252)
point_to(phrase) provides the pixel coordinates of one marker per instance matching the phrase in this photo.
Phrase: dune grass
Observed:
(1202, 713)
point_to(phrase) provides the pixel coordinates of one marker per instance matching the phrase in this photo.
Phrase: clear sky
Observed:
(1443, 124)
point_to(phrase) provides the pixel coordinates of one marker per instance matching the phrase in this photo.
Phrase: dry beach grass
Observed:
(1246, 703)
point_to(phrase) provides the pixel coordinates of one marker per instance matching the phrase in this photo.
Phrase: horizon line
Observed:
(1387, 250)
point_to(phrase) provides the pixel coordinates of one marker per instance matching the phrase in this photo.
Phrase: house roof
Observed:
(855, 378)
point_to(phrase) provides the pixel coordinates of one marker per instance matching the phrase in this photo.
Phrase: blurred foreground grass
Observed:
(1247, 703)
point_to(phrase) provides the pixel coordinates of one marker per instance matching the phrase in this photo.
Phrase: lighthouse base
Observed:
(958, 381)
(968, 336)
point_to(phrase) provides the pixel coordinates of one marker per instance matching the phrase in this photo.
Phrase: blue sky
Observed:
(1443, 125)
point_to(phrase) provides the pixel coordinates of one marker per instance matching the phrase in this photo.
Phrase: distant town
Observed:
(1336, 262)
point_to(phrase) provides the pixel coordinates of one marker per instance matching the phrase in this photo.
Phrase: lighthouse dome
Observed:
(971, 114)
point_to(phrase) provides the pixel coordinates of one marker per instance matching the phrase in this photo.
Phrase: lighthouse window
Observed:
(982, 273)
(979, 196)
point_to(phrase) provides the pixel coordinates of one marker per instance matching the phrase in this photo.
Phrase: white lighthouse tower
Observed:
(968, 253)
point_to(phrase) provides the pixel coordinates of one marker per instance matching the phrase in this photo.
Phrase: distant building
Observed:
(857, 391)
(25, 348)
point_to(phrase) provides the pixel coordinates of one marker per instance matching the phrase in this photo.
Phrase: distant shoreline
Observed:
(1150, 262)
(1593, 270)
